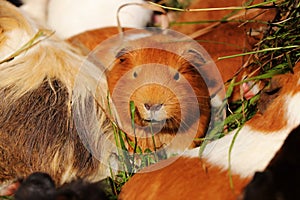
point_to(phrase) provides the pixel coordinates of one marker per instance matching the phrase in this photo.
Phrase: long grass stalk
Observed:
(259, 5)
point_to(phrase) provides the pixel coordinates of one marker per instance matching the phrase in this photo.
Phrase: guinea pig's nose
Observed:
(152, 107)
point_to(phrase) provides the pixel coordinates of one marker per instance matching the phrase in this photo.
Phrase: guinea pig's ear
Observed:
(121, 54)
(209, 72)
(194, 57)
(198, 61)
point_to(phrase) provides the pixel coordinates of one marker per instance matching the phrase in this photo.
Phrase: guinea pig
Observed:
(280, 180)
(171, 82)
(227, 164)
(45, 86)
(36, 186)
(162, 92)
(81, 190)
(40, 186)
(68, 18)
(79, 16)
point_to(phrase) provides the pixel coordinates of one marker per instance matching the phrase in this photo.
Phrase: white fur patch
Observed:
(293, 109)
(68, 18)
(37, 9)
(251, 152)
(252, 149)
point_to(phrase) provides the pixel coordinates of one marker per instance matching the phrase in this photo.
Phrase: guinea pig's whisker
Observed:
(169, 102)
(176, 120)
(189, 100)
(184, 125)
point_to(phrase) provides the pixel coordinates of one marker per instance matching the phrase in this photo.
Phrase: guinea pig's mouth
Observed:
(153, 121)
(165, 124)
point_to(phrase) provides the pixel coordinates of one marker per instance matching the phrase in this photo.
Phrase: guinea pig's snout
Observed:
(154, 103)
(153, 107)
(153, 112)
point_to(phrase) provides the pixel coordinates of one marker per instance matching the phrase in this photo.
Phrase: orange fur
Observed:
(89, 40)
(199, 179)
(155, 84)
(132, 56)
(285, 84)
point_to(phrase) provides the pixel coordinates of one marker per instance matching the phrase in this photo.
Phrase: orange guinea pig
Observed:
(169, 84)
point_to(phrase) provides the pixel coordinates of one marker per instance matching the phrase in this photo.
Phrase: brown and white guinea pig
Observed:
(44, 88)
(280, 180)
(253, 147)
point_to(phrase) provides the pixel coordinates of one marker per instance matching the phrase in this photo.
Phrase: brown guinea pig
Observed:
(170, 88)
(43, 92)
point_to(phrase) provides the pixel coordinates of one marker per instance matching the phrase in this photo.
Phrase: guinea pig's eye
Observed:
(122, 59)
(121, 54)
(176, 76)
(136, 72)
